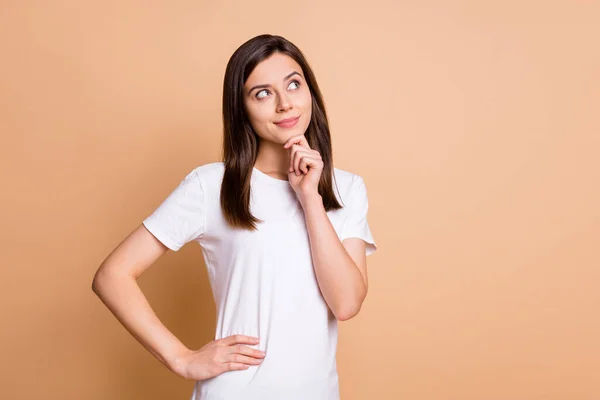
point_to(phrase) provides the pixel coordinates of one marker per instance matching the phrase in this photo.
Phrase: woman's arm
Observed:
(342, 280)
(115, 284)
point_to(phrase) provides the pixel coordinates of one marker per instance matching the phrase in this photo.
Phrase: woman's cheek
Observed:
(258, 113)
(306, 100)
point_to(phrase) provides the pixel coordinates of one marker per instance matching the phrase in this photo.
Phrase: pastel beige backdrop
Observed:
(474, 124)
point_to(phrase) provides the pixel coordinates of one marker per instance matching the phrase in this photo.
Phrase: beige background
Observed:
(474, 124)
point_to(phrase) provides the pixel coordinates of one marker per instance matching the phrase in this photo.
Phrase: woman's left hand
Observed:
(306, 167)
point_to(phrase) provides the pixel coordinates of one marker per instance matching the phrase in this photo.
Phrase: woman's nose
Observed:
(284, 104)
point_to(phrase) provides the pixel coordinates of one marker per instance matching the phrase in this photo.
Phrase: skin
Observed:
(284, 154)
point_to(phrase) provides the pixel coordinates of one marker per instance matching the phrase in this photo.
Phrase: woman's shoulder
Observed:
(210, 168)
(348, 184)
(209, 172)
(345, 178)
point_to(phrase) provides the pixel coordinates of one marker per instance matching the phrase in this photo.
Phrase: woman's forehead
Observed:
(273, 70)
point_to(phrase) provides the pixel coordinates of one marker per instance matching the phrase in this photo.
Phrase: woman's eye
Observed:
(263, 93)
(258, 96)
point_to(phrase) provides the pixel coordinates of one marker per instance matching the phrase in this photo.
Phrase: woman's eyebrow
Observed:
(267, 86)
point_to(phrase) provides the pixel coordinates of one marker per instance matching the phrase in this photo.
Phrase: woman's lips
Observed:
(287, 123)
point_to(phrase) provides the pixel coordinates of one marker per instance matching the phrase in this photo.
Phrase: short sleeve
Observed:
(356, 223)
(180, 218)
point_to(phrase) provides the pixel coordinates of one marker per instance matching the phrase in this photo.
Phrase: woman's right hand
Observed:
(219, 356)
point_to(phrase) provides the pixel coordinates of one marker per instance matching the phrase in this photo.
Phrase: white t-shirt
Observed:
(263, 282)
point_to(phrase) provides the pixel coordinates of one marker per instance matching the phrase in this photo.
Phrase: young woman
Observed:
(286, 254)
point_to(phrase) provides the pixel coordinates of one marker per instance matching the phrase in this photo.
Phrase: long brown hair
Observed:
(240, 142)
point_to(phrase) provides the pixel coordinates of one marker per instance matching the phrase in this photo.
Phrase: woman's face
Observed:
(276, 91)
